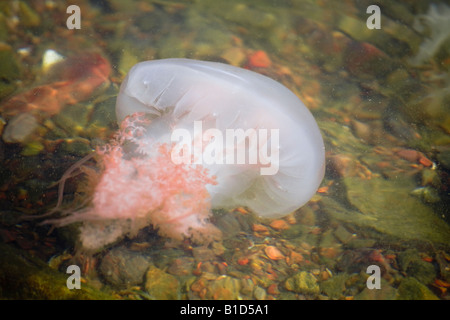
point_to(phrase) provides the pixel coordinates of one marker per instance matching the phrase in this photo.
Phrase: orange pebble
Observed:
(291, 219)
(243, 261)
(242, 210)
(259, 228)
(273, 253)
(273, 289)
(425, 161)
(279, 225)
(259, 59)
(442, 283)
(295, 257)
(408, 154)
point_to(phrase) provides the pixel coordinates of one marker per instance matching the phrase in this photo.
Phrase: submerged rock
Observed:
(19, 128)
(122, 267)
(411, 289)
(412, 264)
(334, 287)
(386, 292)
(161, 285)
(388, 207)
(303, 282)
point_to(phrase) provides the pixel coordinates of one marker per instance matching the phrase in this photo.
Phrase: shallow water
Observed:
(380, 97)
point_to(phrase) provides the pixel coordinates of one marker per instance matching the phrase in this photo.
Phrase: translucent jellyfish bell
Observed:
(192, 97)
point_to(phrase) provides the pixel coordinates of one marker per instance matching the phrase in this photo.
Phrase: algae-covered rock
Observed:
(161, 285)
(25, 277)
(335, 286)
(227, 288)
(411, 289)
(386, 292)
(303, 282)
(411, 263)
(388, 207)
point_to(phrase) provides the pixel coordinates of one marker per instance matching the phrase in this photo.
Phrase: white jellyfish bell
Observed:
(261, 116)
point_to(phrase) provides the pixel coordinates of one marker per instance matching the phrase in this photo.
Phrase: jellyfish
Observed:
(196, 136)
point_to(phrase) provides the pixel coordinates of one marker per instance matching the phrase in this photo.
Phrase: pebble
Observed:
(260, 230)
(19, 128)
(225, 288)
(274, 253)
(247, 286)
(295, 258)
(279, 225)
(259, 293)
(181, 266)
(273, 289)
(161, 285)
(259, 59)
(122, 267)
(306, 216)
(202, 254)
(409, 154)
(50, 58)
(303, 282)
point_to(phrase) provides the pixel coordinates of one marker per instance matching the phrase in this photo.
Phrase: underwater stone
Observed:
(335, 286)
(122, 267)
(386, 292)
(161, 285)
(377, 199)
(411, 289)
(259, 293)
(20, 128)
(302, 282)
(412, 264)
